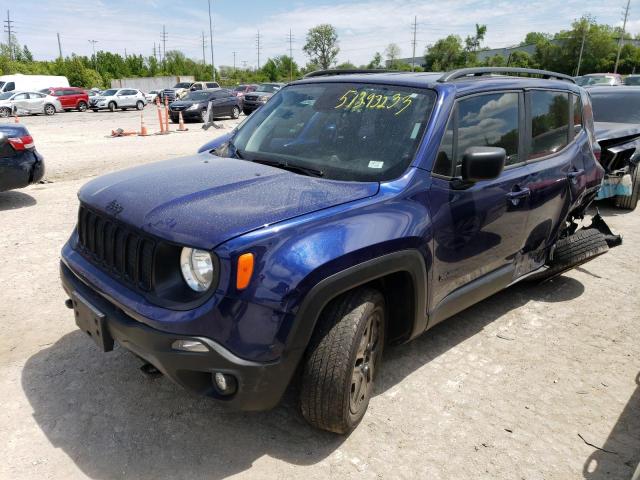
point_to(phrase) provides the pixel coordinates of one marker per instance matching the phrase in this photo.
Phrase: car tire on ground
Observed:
(342, 360)
(94, 109)
(246, 112)
(112, 106)
(139, 105)
(5, 112)
(82, 106)
(572, 251)
(49, 109)
(235, 113)
(631, 202)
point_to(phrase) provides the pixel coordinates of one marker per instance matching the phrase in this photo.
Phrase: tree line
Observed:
(557, 52)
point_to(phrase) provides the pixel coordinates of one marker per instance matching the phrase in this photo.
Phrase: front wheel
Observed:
(82, 106)
(49, 109)
(631, 202)
(344, 355)
(235, 113)
(5, 112)
(247, 112)
(139, 105)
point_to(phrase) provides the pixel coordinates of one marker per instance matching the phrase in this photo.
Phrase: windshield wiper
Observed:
(312, 172)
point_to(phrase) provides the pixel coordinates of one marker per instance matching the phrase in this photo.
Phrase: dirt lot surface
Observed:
(537, 382)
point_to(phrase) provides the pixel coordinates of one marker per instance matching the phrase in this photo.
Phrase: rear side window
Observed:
(549, 123)
(490, 120)
(10, 87)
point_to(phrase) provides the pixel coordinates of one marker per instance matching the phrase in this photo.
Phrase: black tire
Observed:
(5, 112)
(235, 113)
(94, 109)
(49, 110)
(139, 105)
(112, 106)
(631, 202)
(246, 112)
(573, 251)
(343, 358)
(82, 106)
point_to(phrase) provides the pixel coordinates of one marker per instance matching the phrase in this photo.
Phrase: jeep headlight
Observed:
(197, 268)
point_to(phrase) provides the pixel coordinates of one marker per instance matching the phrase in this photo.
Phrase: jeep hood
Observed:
(204, 200)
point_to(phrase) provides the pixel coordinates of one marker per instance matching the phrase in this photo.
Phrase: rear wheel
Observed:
(631, 202)
(112, 106)
(82, 106)
(235, 113)
(49, 109)
(342, 361)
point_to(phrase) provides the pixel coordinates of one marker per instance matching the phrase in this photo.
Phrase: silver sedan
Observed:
(28, 103)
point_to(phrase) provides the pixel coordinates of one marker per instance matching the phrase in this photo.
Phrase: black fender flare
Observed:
(410, 261)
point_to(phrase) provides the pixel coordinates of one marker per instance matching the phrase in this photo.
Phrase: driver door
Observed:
(478, 229)
(21, 104)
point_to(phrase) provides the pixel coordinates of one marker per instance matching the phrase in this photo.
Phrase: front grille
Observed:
(116, 249)
(252, 98)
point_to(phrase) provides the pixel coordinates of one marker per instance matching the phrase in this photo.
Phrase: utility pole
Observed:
(584, 37)
(154, 50)
(290, 56)
(95, 59)
(59, 46)
(204, 45)
(624, 27)
(234, 63)
(413, 43)
(8, 27)
(213, 65)
(163, 36)
(258, 47)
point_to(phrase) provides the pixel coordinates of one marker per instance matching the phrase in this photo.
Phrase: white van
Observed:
(35, 83)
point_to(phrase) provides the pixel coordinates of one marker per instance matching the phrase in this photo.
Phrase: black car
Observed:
(20, 163)
(260, 96)
(194, 106)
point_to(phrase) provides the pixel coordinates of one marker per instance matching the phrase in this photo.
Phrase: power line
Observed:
(8, 27)
(234, 62)
(624, 27)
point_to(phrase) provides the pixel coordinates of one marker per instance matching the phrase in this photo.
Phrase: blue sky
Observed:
(364, 26)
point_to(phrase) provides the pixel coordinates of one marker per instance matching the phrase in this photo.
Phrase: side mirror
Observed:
(482, 163)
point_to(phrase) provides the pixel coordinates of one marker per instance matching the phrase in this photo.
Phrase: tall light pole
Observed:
(213, 66)
(95, 59)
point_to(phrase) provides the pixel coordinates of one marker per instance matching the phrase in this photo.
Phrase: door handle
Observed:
(516, 195)
(573, 176)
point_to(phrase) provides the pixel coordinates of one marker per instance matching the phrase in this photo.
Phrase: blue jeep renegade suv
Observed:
(353, 210)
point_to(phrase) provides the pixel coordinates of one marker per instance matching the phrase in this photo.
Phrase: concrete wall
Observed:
(150, 83)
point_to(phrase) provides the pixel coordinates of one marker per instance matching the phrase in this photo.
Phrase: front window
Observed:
(109, 93)
(241, 88)
(267, 88)
(198, 96)
(601, 80)
(616, 106)
(343, 131)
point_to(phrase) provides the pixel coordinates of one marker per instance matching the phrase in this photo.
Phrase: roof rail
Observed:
(479, 71)
(345, 71)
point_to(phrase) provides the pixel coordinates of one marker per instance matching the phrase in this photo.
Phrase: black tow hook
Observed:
(150, 371)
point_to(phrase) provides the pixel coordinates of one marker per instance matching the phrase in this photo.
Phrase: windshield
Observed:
(346, 131)
(635, 80)
(198, 96)
(109, 93)
(182, 85)
(600, 80)
(240, 88)
(268, 88)
(5, 95)
(617, 107)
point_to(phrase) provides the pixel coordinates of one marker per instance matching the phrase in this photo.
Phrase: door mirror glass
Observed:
(482, 163)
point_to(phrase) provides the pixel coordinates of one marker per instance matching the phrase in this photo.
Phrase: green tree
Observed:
(392, 52)
(322, 45)
(26, 54)
(533, 38)
(446, 54)
(376, 61)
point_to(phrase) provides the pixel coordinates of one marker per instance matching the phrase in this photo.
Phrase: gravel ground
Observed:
(537, 382)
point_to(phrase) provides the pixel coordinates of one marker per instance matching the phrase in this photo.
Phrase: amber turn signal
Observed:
(245, 270)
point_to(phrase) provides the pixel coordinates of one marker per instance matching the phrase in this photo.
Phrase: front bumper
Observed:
(252, 105)
(186, 114)
(260, 385)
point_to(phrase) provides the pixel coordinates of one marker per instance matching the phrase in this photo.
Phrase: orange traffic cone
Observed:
(143, 127)
(161, 132)
(166, 115)
(181, 127)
